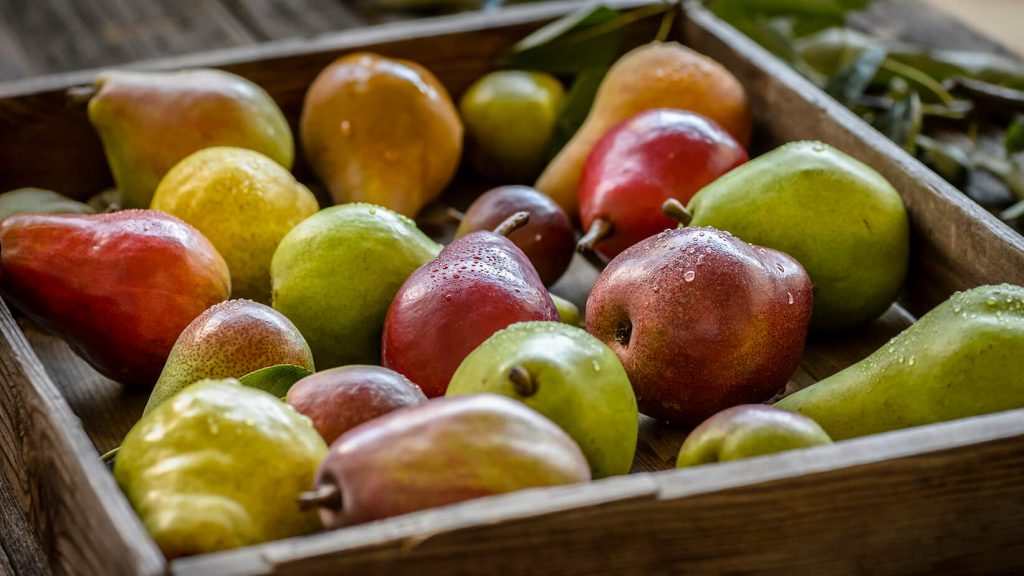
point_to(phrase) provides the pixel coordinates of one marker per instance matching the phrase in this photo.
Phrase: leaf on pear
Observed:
(575, 107)
(588, 37)
(276, 380)
(850, 82)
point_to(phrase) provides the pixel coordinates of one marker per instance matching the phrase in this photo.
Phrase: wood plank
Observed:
(956, 244)
(82, 521)
(20, 552)
(946, 498)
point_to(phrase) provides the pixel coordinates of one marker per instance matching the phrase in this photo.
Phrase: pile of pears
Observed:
(313, 368)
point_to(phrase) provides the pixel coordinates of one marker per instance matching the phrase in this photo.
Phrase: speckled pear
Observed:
(963, 358)
(230, 340)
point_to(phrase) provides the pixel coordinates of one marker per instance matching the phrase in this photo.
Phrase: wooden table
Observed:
(48, 36)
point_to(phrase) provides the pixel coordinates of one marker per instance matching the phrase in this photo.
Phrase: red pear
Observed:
(477, 285)
(339, 399)
(118, 287)
(547, 239)
(641, 163)
(701, 321)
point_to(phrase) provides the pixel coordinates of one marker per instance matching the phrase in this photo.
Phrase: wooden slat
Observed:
(20, 552)
(83, 523)
(943, 499)
(956, 243)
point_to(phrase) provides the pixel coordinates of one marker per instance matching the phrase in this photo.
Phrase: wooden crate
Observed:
(946, 498)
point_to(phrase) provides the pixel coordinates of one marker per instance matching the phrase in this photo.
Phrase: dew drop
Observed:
(957, 309)
(455, 275)
(780, 267)
(818, 147)
(789, 297)
(447, 296)
(346, 128)
(900, 359)
(595, 365)
(655, 289)
(991, 302)
(689, 275)
(911, 361)
(691, 250)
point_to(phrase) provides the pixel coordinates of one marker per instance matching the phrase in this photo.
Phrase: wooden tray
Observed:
(946, 498)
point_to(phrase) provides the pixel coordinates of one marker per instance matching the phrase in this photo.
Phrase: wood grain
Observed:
(19, 549)
(82, 521)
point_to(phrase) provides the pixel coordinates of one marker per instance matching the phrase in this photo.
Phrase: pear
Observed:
(241, 200)
(118, 288)
(335, 274)
(428, 331)
(568, 376)
(655, 75)
(339, 399)
(381, 130)
(963, 358)
(230, 340)
(39, 201)
(219, 466)
(567, 311)
(149, 121)
(839, 218)
(746, 431)
(445, 451)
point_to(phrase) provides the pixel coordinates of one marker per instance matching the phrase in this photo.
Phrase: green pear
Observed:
(839, 218)
(39, 201)
(230, 340)
(149, 121)
(567, 311)
(746, 431)
(963, 358)
(218, 467)
(567, 375)
(335, 274)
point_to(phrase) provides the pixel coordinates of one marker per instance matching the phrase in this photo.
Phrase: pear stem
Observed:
(512, 223)
(81, 94)
(323, 496)
(454, 214)
(599, 230)
(675, 210)
(522, 381)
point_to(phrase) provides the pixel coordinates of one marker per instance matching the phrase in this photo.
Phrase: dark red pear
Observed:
(701, 321)
(641, 163)
(118, 287)
(477, 285)
(548, 239)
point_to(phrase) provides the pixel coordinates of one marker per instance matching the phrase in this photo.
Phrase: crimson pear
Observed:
(477, 285)
(701, 321)
(445, 451)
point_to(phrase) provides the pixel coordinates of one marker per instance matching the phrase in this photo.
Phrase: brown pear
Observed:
(381, 131)
(655, 75)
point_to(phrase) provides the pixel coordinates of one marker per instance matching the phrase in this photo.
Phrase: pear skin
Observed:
(218, 467)
(230, 340)
(839, 218)
(655, 75)
(963, 358)
(335, 274)
(149, 121)
(382, 131)
(445, 451)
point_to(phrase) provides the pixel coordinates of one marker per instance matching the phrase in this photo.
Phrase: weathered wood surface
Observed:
(19, 548)
(46, 128)
(943, 499)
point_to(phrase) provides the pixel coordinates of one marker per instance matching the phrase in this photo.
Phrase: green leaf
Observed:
(576, 106)
(849, 83)
(948, 160)
(275, 379)
(902, 121)
(589, 37)
(810, 10)
(1013, 212)
(110, 458)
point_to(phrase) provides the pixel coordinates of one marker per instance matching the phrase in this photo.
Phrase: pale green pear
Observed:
(963, 358)
(839, 218)
(567, 311)
(746, 431)
(334, 275)
(567, 375)
(220, 466)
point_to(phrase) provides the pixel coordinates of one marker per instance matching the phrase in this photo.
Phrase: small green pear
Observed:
(334, 275)
(567, 375)
(963, 358)
(839, 218)
(230, 340)
(746, 431)
(220, 466)
(567, 311)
